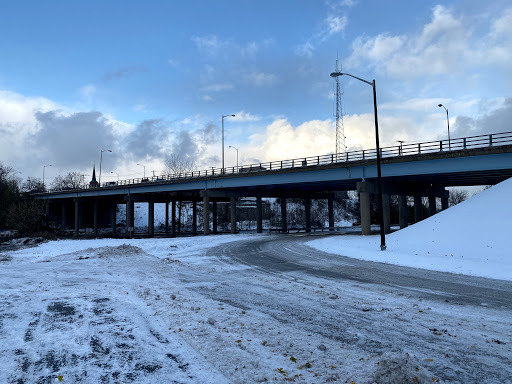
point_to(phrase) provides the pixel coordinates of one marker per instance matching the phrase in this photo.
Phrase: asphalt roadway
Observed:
(288, 253)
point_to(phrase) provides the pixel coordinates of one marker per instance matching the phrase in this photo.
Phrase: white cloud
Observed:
(212, 45)
(331, 25)
(336, 24)
(87, 91)
(305, 49)
(140, 108)
(242, 116)
(281, 140)
(445, 45)
(261, 79)
(218, 87)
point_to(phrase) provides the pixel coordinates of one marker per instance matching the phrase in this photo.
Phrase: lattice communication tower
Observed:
(340, 131)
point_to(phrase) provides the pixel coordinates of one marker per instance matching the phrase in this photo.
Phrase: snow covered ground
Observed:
(473, 237)
(178, 311)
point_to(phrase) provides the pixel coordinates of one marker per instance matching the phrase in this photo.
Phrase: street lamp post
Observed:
(400, 148)
(379, 174)
(223, 116)
(101, 160)
(448, 121)
(44, 167)
(235, 148)
(117, 176)
(142, 165)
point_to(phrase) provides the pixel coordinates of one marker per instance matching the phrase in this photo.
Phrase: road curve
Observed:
(288, 254)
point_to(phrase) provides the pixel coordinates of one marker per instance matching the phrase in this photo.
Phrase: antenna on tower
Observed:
(340, 131)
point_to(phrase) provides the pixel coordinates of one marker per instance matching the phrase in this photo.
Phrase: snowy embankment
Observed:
(471, 238)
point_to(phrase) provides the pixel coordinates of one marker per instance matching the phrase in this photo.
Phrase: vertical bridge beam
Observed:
(77, 215)
(214, 217)
(95, 217)
(194, 218)
(307, 209)
(233, 214)
(259, 215)
(173, 218)
(418, 209)
(151, 218)
(330, 205)
(284, 222)
(206, 215)
(403, 214)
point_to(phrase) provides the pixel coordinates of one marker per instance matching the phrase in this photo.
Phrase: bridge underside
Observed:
(423, 175)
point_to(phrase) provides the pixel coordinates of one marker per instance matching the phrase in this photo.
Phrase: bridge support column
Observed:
(77, 215)
(130, 216)
(64, 222)
(166, 217)
(307, 209)
(95, 217)
(259, 215)
(233, 214)
(444, 203)
(284, 222)
(194, 218)
(151, 218)
(206, 215)
(364, 204)
(214, 217)
(47, 209)
(330, 205)
(173, 218)
(386, 211)
(418, 209)
(403, 214)
(113, 217)
(432, 205)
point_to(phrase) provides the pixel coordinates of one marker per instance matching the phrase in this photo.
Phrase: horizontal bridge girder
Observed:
(407, 189)
(456, 168)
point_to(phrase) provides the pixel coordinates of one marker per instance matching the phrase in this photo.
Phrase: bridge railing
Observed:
(402, 150)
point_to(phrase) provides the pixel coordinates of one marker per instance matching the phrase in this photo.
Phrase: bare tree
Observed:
(33, 185)
(9, 191)
(457, 196)
(26, 217)
(73, 180)
(176, 166)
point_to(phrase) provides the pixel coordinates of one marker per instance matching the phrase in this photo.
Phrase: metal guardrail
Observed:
(403, 150)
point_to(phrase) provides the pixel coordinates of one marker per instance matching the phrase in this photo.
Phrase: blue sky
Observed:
(148, 79)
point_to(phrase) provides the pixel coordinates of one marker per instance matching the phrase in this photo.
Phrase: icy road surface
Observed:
(241, 309)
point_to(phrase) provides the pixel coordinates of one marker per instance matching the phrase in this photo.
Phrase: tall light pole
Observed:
(117, 176)
(44, 167)
(142, 165)
(236, 155)
(101, 159)
(448, 121)
(379, 174)
(223, 116)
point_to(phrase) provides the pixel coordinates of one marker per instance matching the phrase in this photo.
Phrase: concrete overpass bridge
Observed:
(419, 170)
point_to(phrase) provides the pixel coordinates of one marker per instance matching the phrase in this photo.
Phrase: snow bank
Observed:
(472, 238)
(402, 368)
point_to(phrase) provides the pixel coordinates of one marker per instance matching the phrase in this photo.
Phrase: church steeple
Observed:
(93, 183)
(93, 174)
